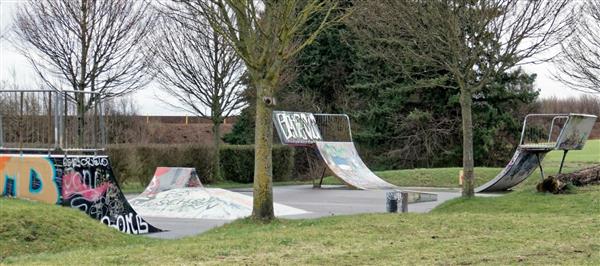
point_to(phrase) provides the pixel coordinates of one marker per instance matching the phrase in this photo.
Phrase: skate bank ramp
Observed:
(202, 203)
(176, 192)
(343, 160)
(86, 183)
(166, 178)
(528, 156)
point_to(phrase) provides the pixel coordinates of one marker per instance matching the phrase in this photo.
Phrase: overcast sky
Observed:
(146, 99)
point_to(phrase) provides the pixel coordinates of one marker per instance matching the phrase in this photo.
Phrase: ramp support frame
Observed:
(537, 155)
(562, 161)
(321, 179)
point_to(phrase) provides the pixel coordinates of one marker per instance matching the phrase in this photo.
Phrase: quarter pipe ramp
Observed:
(528, 156)
(343, 160)
(86, 183)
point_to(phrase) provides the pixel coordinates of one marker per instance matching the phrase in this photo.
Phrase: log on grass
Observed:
(559, 183)
(583, 177)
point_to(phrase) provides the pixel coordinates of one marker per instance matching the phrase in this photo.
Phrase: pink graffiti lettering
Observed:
(72, 184)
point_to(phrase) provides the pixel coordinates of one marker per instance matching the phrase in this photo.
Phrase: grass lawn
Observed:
(521, 227)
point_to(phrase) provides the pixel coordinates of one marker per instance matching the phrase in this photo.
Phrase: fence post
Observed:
(20, 127)
(1, 132)
(103, 141)
(56, 119)
(49, 120)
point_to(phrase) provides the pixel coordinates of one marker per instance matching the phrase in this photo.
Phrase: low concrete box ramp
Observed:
(343, 160)
(202, 203)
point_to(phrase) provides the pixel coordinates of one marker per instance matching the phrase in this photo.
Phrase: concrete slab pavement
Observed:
(327, 201)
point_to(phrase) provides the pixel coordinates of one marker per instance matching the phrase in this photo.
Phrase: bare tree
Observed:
(266, 35)
(86, 45)
(579, 64)
(197, 67)
(471, 41)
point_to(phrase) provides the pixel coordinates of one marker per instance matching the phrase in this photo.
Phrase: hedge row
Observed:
(136, 163)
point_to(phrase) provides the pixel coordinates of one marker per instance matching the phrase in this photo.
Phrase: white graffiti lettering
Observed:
(85, 162)
(297, 127)
(130, 224)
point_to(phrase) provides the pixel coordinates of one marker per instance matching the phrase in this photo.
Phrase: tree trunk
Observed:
(467, 130)
(81, 86)
(216, 165)
(263, 164)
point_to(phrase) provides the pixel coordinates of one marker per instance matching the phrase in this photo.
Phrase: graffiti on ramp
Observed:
(343, 160)
(86, 183)
(523, 163)
(166, 178)
(201, 203)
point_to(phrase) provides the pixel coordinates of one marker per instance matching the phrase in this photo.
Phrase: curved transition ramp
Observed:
(86, 183)
(331, 135)
(343, 160)
(521, 166)
(176, 192)
(528, 156)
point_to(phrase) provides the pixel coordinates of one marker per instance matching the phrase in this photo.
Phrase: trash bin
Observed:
(391, 201)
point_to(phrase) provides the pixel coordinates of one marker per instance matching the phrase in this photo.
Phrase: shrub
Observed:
(136, 163)
(237, 162)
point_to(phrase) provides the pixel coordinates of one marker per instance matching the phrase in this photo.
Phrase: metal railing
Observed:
(542, 130)
(51, 120)
(334, 127)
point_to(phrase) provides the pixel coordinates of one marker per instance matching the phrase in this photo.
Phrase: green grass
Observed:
(28, 227)
(521, 227)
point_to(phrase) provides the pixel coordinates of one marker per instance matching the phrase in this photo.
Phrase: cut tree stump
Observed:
(559, 183)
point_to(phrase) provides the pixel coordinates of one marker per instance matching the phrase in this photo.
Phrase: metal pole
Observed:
(102, 126)
(537, 155)
(49, 121)
(56, 119)
(20, 127)
(63, 121)
(1, 132)
(322, 176)
(562, 161)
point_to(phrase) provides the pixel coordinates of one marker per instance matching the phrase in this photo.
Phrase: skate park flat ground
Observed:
(327, 201)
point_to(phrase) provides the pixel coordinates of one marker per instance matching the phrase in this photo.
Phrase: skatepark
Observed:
(299, 132)
(176, 204)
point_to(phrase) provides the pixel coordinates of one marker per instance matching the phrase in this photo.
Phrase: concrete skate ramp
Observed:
(522, 164)
(343, 160)
(86, 183)
(202, 203)
(166, 178)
